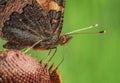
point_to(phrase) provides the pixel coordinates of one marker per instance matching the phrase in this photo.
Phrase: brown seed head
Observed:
(16, 67)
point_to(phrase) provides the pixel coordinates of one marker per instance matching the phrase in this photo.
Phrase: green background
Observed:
(89, 58)
(92, 58)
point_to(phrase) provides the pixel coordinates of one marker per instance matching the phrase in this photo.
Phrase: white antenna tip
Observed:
(92, 26)
(96, 25)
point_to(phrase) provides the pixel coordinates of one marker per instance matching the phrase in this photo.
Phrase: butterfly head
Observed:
(64, 39)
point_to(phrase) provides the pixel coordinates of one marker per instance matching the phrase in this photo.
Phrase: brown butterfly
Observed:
(24, 23)
(33, 23)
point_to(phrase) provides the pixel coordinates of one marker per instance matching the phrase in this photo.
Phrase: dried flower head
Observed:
(17, 67)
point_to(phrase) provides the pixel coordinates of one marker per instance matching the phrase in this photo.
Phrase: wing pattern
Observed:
(39, 20)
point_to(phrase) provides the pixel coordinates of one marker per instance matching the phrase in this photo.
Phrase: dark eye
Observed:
(3, 2)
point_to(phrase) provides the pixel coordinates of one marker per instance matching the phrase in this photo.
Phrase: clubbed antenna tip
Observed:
(82, 29)
(104, 31)
(96, 25)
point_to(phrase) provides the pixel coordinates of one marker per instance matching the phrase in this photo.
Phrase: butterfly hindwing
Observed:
(27, 27)
(37, 20)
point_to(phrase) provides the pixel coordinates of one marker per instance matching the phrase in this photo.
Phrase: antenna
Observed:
(100, 32)
(78, 30)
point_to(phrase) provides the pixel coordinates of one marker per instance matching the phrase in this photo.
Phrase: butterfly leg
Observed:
(46, 57)
(61, 61)
(12, 45)
(53, 54)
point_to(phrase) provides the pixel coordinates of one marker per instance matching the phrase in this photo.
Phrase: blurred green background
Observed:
(89, 58)
(92, 58)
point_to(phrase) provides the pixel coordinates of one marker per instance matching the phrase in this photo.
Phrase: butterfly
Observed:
(24, 23)
(34, 23)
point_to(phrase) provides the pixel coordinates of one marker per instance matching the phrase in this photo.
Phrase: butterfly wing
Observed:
(32, 21)
(55, 11)
(56, 14)
(27, 27)
(7, 7)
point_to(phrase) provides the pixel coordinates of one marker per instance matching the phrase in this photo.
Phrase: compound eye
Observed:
(64, 40)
